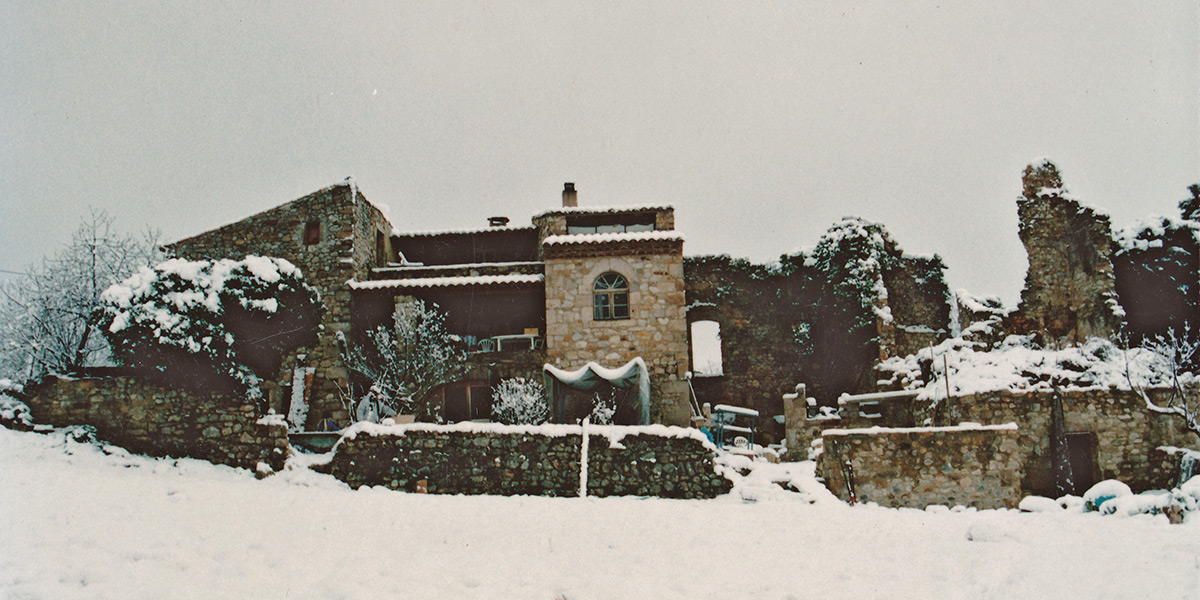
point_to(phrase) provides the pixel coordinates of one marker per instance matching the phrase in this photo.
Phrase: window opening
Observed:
(381, 259)
(610, 297)
(707, 359)
(312, 233)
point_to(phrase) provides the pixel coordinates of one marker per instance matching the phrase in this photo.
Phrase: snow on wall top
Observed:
(600, 238)
(614, 433)
(430, 233)
(575, 210)
(427, 282)
(959, 427)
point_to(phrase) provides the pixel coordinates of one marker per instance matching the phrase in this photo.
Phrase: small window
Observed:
(381, 259)
(312, 233)
(610, 297)
(707, 360)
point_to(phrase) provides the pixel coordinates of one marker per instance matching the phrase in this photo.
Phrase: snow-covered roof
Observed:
(600, 238)
(429, 282)
(433, 232)
(592, 210)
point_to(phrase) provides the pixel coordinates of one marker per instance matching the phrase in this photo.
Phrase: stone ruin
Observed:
(1070, 290)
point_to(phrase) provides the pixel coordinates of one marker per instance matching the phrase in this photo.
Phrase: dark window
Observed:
(312, 233)
(610, 297)
(381, 259)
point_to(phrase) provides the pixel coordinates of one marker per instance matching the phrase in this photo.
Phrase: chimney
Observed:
(498, 221)
(569, 198)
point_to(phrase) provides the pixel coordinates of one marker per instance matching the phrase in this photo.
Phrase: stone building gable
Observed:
(333, 235)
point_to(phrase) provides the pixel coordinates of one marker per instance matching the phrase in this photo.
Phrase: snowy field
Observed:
(76, 522)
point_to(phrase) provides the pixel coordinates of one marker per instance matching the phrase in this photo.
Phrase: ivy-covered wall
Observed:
(823, 318)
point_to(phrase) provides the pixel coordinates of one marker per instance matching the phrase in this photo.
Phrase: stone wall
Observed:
(148, 419)
(345, 248)
(1127, 433)
(915, 467)
(1069, 292)
(656, 329)
(760, 360)
(535, 460)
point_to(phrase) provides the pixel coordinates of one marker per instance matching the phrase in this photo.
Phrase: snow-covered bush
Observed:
(397, 367)
(14, 414)
(520, 401)
(1157, 269)
(604, 407)
(207, 323)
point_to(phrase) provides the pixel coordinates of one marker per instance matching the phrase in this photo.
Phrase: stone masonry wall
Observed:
(1127, 433)
(346, 249)
(656, 330)
(148, 419)
(978, 467)
(1069, 292)
(541, 460)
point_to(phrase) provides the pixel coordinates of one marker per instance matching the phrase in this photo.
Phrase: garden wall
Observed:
(1127, 433)
(148, 419)
(971, 465)
(485, 458)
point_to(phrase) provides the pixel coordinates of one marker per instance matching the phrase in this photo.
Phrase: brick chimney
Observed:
(570, 200)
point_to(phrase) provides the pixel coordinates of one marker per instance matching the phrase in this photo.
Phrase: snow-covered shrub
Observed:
(604, 407)
(14, 414)
(1157, 270)
(520, 401)
(398, 366)
(210, 323)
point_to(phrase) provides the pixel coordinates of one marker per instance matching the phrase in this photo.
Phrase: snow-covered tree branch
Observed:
(403, 363)
(45, 315)
(1174, 352)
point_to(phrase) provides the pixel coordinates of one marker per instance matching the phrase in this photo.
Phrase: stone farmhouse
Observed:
(593, 292)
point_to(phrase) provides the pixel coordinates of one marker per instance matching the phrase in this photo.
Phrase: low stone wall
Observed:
(485, 458)
(148, 419)
(1128, 434)
(977, 466)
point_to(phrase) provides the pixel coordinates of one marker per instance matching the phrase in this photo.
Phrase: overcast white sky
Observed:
(762, 123)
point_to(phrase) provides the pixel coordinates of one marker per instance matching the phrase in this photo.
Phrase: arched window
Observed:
(610, 297)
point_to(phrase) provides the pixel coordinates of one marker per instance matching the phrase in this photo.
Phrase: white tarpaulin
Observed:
(632, 377)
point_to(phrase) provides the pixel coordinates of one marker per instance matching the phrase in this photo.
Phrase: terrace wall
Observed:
(537, 460)
(915, 467)
(148, 419)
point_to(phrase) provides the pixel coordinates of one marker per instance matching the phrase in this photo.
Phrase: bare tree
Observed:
(403, 363)
(1175, 352)
(46, 315)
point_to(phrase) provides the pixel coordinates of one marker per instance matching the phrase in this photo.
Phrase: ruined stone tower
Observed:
(1069, 292)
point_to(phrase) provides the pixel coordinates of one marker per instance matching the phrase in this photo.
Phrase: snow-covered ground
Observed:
(76, 522)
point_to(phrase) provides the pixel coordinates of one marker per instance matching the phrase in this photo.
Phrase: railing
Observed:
(508, 343)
